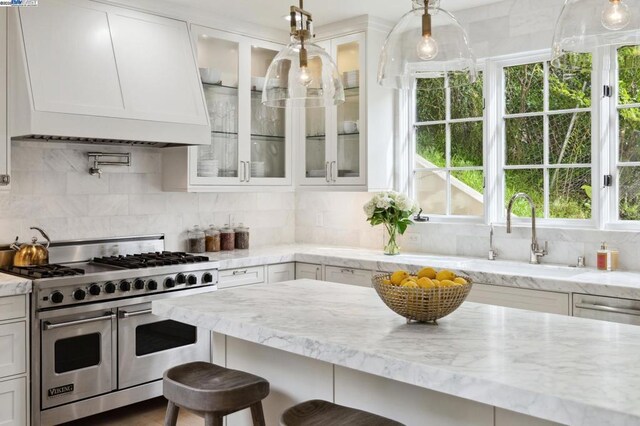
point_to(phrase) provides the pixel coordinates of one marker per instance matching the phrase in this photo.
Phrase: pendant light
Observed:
(586, 25)
(302, 75)
(427, 42)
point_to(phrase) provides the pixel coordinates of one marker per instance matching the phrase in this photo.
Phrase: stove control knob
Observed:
(192, 280)
(110, 287)
(79, 294)
(94, 290)
(152, 285)
(207, 278)
(125, 286)
(56, 297)
(181, 279)
(169, 283)
(138, 284)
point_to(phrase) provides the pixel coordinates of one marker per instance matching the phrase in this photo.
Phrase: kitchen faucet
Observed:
(535, 252)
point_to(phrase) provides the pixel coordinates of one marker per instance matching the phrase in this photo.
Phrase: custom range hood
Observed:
(89, 72)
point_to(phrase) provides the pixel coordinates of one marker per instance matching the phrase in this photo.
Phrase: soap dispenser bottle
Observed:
(603, 257)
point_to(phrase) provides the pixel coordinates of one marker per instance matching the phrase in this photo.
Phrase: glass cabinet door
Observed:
(269, 150)
(218, 62)
(348, 54)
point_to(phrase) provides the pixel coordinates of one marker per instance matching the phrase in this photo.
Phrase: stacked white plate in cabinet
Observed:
(257, 169)
(351, 79)
(208, 168)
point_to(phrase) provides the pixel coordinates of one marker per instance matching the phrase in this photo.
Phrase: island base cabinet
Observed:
(408, 404)
(13, 397)
(292, 378)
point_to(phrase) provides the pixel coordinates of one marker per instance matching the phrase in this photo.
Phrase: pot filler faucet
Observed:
(535, 251)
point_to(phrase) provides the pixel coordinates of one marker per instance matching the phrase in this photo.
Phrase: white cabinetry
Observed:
(250, 143)
(5, 144)
(14, 354)
(241, 276)
(520, 298)
(309, 271)
(281, 272)
(359, 277)
(348, 147)
(624, 311)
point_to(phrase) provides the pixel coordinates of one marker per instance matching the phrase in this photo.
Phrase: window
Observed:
(547, 140)
(628, 115)
(448, 164)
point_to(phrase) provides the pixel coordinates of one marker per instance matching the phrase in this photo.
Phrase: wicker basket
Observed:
(420, 304)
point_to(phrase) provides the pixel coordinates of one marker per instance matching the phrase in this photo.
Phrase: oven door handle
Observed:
(49, 326)
(126, 314)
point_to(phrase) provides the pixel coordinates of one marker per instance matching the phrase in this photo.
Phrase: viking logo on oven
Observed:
(60, 390)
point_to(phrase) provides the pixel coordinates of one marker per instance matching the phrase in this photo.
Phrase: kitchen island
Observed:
(482, 365)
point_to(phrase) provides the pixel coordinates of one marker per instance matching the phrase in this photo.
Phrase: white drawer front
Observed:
(359, 277)
(13, 402)
(309, 271)
(281, 272)
(241, 276)
(13, 355)
(520, 298)
(13, 307)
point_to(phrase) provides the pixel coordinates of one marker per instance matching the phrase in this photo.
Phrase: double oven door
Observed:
(89, 354)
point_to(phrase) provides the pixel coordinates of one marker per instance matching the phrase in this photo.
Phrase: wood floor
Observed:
(147, 413)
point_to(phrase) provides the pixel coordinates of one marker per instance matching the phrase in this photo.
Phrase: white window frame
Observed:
(413, 125)
(498, 120)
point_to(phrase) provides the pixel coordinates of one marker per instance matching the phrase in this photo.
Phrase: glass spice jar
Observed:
(212, 239)
(242, 237)
(227, 238)
(196, 240)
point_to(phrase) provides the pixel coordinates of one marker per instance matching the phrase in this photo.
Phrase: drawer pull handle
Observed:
(49, 326)
(126, 314)
(604, 308)
(244, 272)
(347, 271)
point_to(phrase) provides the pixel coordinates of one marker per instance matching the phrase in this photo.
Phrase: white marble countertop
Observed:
(570, 370)
(507, 273)
(11, 285)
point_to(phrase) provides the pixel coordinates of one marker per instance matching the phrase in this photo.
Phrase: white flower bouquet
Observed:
(393, 210)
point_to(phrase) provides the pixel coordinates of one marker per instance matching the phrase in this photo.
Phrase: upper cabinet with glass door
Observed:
(249, 142)
(334, 151)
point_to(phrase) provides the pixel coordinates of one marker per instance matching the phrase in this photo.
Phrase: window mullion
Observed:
(448, 143)
(546, 139)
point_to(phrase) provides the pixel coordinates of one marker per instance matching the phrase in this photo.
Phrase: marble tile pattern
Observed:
(569, 370)
(11, 285)
(51, 188)
(338, 219)
(504, 273)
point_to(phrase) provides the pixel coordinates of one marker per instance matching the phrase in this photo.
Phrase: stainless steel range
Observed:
(95, 344)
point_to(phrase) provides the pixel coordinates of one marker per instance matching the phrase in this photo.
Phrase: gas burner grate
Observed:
(150, 260)
(43, 271)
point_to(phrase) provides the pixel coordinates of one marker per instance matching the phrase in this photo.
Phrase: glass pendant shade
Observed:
(586, 25)
(408, 54)
(288, 84)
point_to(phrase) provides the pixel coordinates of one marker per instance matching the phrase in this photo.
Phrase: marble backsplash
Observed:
(52, 188)
(338, 219)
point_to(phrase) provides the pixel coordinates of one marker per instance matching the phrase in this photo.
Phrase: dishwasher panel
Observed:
(624, 311)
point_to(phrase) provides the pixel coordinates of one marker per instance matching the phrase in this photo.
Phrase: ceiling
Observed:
(269, 13)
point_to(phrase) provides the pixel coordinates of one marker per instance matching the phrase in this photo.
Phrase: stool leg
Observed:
(257, 414)
(171, 418)
(212, 419)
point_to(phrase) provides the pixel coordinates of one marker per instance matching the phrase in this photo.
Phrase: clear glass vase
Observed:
(391, 239)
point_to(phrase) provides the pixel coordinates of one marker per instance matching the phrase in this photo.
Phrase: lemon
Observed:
(425, 282)
(437, 283)
(427, 273)
(409, 284)
(447, 283)
(386, 281)
(398, 276)
(460, 281)
(445, 275)
(408, 279)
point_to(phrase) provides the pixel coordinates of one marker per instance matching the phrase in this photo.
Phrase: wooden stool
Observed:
(323, 413)
(213, 392)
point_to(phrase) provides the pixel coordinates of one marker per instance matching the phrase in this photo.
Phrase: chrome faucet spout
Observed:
(536, 253)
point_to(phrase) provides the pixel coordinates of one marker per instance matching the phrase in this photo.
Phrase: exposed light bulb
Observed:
(615, 15)
(304, 77)
(427, 48)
